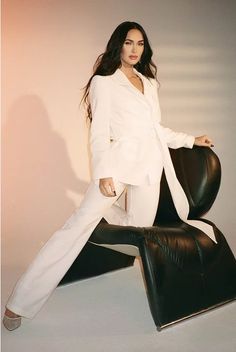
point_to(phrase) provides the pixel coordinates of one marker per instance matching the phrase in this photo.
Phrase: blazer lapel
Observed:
(121, 79)
(148, 87)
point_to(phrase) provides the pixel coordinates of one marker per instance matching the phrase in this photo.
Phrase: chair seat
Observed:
(123, 239)
(180, 243)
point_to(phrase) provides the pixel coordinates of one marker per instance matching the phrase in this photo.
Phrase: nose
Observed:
(134, 48)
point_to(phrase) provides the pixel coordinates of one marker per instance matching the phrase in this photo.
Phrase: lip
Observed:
(133, 57)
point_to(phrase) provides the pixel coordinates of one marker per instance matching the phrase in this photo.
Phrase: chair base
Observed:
(187, 276)
(183, 319)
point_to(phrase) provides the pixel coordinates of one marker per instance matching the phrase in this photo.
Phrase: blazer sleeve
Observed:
(100, 102)
(174, 139)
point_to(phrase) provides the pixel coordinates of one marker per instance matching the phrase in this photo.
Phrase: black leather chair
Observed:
(185, 272)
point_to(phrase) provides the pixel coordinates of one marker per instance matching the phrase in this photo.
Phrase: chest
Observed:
(128, 102)
(137, 83)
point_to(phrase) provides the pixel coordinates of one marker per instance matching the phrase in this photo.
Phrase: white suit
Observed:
(129, 144)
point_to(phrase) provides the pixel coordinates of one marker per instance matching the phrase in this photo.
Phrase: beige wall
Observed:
(49, 48)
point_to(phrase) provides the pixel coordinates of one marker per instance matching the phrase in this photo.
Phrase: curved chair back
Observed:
(199, 172)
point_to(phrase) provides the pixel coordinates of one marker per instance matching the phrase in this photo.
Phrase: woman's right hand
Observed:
(107, 187)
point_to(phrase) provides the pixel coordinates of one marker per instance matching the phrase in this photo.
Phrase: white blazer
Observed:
(128, 141)
(123, 138)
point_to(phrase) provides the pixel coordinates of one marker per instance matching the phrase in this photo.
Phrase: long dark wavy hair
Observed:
(108, 62)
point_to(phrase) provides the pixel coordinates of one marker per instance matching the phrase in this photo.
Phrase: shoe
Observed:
(11, 323)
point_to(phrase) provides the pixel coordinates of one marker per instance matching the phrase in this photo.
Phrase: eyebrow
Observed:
(142, 40)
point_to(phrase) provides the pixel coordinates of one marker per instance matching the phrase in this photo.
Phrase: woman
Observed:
(129, 150)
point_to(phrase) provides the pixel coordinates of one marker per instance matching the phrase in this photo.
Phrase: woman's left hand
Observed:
(203, 141)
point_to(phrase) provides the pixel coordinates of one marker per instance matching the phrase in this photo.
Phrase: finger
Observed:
(111, 192)
(112, 188)
(109, 189)
(209, 143)
(103, 191)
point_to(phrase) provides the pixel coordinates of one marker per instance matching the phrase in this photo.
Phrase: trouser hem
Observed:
(20, 312)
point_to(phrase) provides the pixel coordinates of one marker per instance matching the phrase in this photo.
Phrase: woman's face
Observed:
(132, 48)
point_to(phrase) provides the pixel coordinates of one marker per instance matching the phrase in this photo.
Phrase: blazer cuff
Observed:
(101, 166)
(189, 142)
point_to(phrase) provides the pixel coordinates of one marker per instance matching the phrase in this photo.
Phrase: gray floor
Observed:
(110, 313)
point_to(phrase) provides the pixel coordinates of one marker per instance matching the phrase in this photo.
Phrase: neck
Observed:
(128, 70)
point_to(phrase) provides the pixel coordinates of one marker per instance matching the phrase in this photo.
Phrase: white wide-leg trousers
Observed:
(59, 252)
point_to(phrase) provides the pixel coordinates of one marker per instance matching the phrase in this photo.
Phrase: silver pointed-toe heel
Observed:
(11, 323)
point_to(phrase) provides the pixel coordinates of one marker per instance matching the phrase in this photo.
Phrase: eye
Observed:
(141, 44)
(127, 43)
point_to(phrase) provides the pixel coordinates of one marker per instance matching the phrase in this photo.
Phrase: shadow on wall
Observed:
(36, 177)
